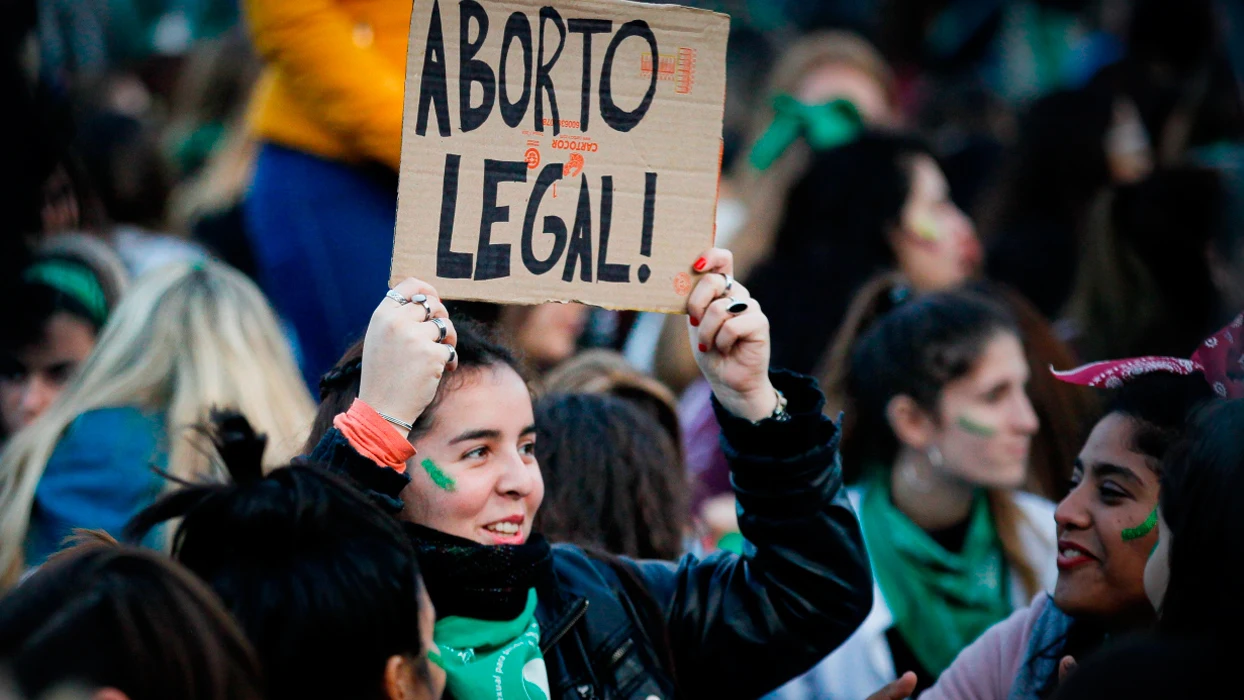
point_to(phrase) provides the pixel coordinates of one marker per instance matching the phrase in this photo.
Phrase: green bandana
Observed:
(823, 126)
(486, 659)
(941, 601)
(75, 281)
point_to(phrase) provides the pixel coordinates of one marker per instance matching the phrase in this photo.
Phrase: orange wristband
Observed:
(373, 437)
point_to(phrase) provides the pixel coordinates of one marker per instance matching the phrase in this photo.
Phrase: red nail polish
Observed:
(703, 347)
(699, 265)
(695, 321)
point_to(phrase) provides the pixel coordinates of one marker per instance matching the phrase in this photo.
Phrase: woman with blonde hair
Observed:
(186, 338)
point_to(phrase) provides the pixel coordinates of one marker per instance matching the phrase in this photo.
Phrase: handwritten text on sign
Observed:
(560, 152)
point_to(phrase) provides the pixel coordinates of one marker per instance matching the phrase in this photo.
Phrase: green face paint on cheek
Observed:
(926, 229)
(968, 425)
(442, 480)
(1135, 533)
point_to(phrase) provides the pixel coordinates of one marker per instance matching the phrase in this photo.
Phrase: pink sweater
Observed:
(987, 668)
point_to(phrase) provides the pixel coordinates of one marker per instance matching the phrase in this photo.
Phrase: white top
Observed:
(863, 664)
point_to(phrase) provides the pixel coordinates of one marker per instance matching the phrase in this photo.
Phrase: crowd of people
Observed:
(955, 409)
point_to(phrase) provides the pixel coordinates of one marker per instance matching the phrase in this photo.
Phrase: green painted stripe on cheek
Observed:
(442, 480)
(970, 426)
(1135, 533)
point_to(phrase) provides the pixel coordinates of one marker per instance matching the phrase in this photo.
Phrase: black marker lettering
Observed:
(581, 239)
(432, 90)
(553, 225)
(544, 83)
(492, 260)
(450, 265)
(516, 27)
(614, 116)
(605, 270)
(588, 27)
(471, 69)
(645, 235)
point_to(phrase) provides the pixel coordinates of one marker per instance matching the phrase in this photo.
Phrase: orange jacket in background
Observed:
(333, 82)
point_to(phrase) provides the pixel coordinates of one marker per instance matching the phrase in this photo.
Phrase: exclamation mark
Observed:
(650, 209)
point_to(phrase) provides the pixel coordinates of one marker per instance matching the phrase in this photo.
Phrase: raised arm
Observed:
(741, 626)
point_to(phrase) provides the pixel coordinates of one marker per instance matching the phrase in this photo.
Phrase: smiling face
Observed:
(1115, 488)
(474, 474)
(935, 244)
(987, 422)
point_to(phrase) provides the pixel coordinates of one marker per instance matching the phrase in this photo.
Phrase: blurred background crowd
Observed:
(197, 203)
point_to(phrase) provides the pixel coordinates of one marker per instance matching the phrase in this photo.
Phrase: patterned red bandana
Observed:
(1220, 358)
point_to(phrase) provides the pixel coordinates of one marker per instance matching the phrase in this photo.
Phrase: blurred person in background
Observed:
(615, 480)
(877, 204)
(1060, 162)
(600, 371)
(123, 623)
(184, 339)
(1063, 410)
(324, 583)
(1146, 286)
(322, 203)
(211, 148)
(57, 308)
(543, 335)
(938, 438)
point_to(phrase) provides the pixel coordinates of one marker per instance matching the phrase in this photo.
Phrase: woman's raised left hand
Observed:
(730, 338)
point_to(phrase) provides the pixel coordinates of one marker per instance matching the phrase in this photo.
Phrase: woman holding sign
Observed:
(443, 432)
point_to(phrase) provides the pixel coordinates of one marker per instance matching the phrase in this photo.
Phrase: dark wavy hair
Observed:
(614, 477)
(1202, 483)
(103, 615)
(325, 584)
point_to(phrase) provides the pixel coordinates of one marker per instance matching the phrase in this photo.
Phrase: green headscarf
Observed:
(493, 659)
(823, 126)
(941, 601)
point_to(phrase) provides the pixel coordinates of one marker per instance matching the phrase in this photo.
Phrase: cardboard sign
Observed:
(560, 151)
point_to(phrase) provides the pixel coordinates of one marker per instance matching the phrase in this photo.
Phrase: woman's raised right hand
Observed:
(402, 360)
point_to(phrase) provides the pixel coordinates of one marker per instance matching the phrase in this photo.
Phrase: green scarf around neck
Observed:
(493, 659)
(941, 600)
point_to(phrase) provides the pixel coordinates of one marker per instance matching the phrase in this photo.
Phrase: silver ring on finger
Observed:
(736, 305)
(422, 300)
(440, 326)
(729, 283)
(453, 355)
(397, 296)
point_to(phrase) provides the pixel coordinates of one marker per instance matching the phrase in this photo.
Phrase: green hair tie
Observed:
(1135, 533)
(823, 126)
(74, 280)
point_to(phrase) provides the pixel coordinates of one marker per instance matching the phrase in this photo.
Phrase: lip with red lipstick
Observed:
(1072, 555)
(507, 530)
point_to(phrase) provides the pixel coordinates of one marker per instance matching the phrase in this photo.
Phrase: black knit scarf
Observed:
(485, 582)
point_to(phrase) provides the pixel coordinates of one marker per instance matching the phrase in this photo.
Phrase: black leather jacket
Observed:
(726, 626)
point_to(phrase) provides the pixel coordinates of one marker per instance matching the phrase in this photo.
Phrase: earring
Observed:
(910, 474)
(934, 456)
